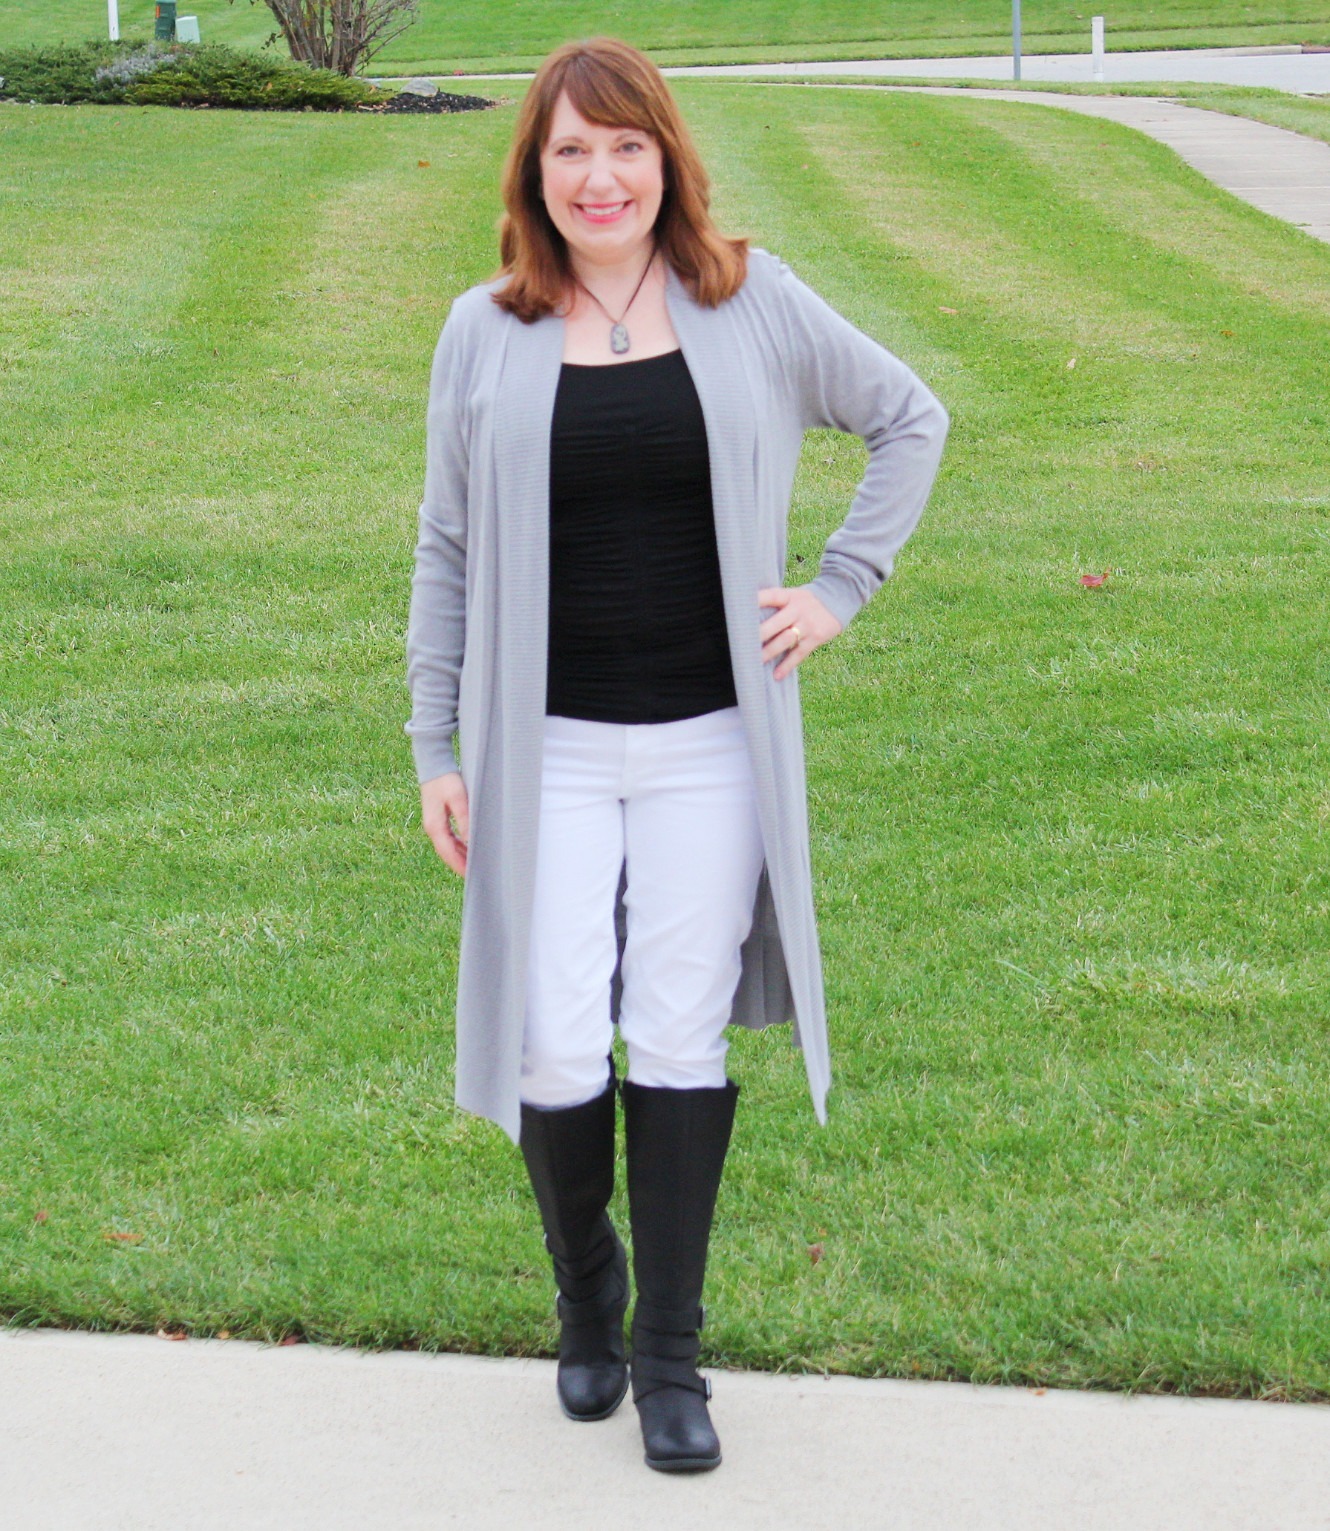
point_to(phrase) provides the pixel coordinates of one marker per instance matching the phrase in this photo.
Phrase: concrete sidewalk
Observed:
(1283, 173)
(135, 1433)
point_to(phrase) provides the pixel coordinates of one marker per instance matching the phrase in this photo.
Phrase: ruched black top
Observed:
(636, 620)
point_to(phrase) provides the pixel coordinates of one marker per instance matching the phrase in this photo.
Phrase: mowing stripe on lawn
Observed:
(1069, 844)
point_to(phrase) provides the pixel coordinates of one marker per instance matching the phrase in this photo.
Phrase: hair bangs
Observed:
(603, 96)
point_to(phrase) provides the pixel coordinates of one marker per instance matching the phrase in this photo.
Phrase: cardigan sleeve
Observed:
(436, 629)
(848, 381)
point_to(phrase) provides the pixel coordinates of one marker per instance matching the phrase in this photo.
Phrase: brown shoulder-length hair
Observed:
(612, 85)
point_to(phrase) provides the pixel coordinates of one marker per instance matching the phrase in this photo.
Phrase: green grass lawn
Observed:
(1300, 114)
(1070, 844)
(515, 34)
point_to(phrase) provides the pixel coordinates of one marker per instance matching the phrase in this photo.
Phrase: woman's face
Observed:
(602, 186)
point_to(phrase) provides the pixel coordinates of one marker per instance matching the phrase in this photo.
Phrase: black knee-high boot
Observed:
(569, 1155)
(677, 1141)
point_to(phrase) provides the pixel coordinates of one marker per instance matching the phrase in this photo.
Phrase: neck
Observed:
(626, 272)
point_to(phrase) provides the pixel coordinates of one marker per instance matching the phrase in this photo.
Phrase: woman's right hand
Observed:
(444, 818)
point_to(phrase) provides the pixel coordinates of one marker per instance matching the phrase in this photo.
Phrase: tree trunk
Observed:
(342, 35)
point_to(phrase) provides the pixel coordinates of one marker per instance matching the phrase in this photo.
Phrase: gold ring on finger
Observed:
(798, 636)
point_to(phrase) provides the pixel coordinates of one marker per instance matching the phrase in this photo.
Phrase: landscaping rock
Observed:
(419, 88)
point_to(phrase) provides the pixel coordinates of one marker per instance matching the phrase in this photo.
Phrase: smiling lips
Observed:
(602, 212)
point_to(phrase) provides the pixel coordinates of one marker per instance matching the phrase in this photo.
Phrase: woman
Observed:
(613, 430)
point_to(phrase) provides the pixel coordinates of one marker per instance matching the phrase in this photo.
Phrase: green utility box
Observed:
(164, 31)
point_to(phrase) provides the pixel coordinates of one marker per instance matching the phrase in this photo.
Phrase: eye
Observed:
(566, 151)
(635, 144)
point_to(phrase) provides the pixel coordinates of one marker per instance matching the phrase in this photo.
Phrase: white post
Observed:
(113, 19)
(1015, 39)
(1097, 45)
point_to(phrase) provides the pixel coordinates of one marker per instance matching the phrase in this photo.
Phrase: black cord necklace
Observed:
(619, 341)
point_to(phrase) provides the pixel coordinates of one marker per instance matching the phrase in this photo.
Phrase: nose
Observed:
(600, 173)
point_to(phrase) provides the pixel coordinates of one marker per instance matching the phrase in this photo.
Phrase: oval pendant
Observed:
(618, 340)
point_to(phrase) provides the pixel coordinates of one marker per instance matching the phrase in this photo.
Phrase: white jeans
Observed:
(676, 804)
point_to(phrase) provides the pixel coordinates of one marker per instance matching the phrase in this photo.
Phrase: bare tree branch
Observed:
(339, 34)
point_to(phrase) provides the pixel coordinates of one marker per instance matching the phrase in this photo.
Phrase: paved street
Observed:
(1280, 69)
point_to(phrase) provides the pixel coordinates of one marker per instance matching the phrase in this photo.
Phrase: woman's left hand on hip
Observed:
(800, 624)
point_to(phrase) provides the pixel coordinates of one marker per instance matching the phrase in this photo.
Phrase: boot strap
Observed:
(594, 1268)
(595, 1255)
(659, 1320)
(608, 1298)
(612, 1298)
(651, 1373)
(665, 1347)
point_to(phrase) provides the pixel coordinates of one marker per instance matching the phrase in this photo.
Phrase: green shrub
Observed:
(67, 73)
(148, 73)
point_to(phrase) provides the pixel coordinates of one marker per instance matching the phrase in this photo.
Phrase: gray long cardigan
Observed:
(768, 364)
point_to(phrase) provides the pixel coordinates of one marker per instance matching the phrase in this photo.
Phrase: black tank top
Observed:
(636, 619)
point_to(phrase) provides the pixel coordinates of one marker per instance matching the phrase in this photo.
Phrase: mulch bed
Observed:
(443, 101)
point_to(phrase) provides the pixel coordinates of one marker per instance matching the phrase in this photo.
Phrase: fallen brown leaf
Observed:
(815, 1252)
(1092, 581)
(124, 1238)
